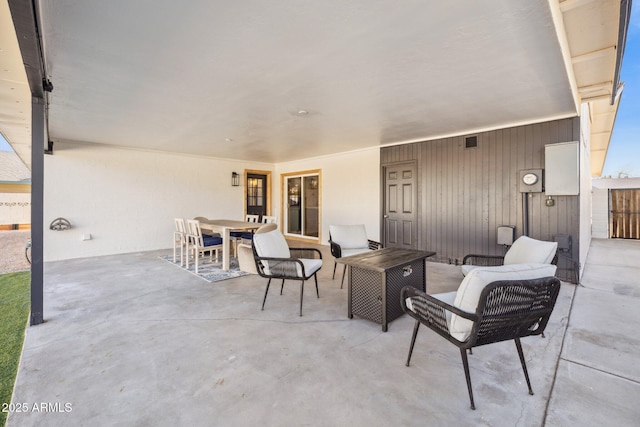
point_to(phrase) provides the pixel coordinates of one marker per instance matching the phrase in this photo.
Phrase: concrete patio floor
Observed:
(134, 340)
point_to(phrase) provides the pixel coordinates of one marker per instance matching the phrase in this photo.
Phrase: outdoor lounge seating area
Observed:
(131, 336)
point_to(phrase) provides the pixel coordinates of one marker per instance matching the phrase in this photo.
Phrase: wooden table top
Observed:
(385, 259)
(231, 224)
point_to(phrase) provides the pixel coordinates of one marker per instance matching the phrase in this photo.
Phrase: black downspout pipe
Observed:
(525, 214)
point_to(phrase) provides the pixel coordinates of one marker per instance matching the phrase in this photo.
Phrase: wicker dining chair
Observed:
(507, 310)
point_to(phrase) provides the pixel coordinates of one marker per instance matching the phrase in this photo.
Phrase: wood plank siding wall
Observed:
(464, 194)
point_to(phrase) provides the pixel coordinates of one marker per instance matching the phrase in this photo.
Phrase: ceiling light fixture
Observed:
(302, 113)
(228, 139)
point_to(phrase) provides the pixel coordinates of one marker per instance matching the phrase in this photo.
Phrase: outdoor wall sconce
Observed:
(60, 224)
(235, 179)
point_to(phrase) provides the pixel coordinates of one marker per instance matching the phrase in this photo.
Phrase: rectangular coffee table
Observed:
(376, 278)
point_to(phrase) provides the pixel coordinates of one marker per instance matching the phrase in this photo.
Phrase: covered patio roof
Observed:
(280, 82)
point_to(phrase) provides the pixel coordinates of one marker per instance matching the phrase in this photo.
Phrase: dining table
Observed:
(224, 227)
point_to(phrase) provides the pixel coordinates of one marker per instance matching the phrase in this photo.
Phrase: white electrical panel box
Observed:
(562, 169)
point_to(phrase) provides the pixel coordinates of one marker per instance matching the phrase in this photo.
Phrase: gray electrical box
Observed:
(564, 241)
(562, 169)
(530, 181)
(505, 234)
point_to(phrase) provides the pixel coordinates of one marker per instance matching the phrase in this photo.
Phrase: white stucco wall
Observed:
(600, 213)
(585, 185)
(127, 199)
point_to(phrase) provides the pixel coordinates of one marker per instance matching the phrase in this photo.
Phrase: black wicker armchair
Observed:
(347, 240)
(275, 260)
(524, 250)
(507, 310)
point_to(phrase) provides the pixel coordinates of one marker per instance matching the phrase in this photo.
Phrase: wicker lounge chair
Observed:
(524, 250)
(275, 260)
(346, 240)
(506, 310)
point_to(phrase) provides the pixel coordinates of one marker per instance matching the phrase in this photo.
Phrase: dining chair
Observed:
(266, 219)
(199, 244)
(203, 218)
(180, 239)
(237, 236)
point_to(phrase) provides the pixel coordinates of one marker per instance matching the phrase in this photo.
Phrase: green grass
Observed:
(14, 314)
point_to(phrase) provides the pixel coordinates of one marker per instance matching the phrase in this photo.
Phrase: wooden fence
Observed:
(624, 218)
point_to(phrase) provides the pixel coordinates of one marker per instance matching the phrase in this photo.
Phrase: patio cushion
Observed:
(527, 250)
(472, 285)
(211, 241)
(310, 266)
(272, 245)
(466, 268)
(348, 252)
(349, 236)
(245, 259)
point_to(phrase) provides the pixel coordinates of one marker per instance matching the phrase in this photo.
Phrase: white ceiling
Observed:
(228, 79)
(185, 77)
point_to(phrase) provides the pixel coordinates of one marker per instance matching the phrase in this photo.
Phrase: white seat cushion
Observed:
(526, 250)
(349, 252)
(310, 266)
(471, 287)
(349, 236)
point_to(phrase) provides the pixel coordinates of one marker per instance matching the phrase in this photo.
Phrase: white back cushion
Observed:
(266, 228)
(466, 268)
(349, 236)
(526, 250)
(271, 244)
(472, 285)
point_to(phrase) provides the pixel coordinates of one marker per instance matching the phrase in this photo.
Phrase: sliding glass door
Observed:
(302, 204)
